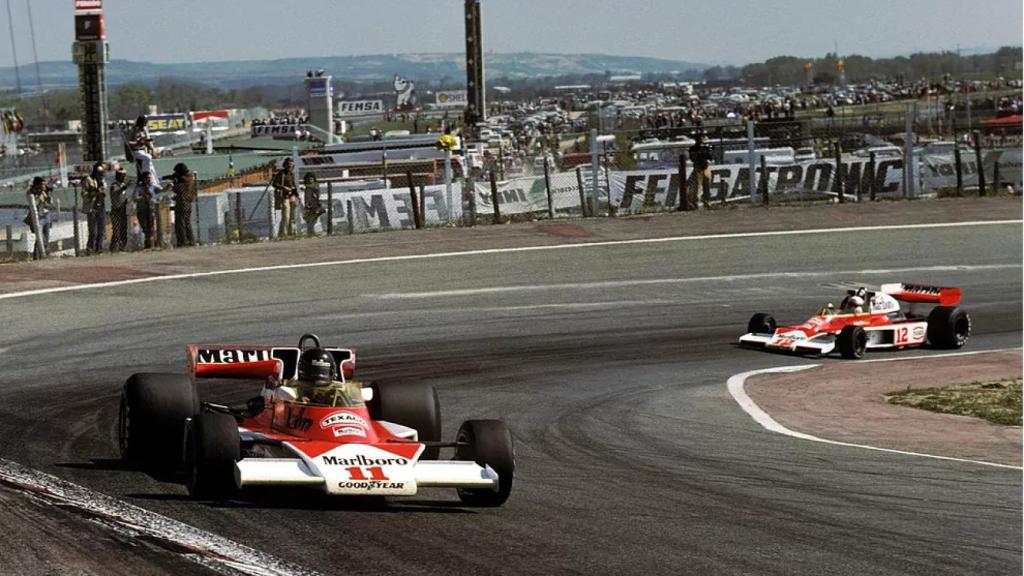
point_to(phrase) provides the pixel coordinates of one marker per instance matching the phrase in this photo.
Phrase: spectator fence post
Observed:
(10, 240)
(684, 188)
(330, 208)
(871, 177)
(350, 216)
(74, 221)
(494, 199)
(763, 186)
(583, 193)
(959, 170)
(199, 227)
(995, 175)
(751, 158)
(470, 185)
(839, 175)
(547, 186)
(977, 159)
(238, 215)
(417, 218)
(423, 204)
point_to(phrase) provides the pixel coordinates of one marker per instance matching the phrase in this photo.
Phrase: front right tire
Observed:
(488, 443)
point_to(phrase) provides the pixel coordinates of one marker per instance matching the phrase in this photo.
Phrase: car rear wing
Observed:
(923, 294)
(256, 362)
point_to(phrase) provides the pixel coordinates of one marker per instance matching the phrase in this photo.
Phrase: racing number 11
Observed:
(359, 473)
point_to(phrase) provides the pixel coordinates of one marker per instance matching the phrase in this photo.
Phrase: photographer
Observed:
(42, 192)
(700, 155)
(311, 200)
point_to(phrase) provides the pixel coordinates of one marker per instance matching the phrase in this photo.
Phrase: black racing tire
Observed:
(852, 342)
(412, 404)
(488, 443)
(213, 448)
(151, 419)
(761, 324)
(948, 327)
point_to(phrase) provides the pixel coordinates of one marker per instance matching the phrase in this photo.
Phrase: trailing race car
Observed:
(312, 426)
(870, 320)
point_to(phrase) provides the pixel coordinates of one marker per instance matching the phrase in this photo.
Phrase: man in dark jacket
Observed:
(119, 210)
(284, 196)
(184, 188)
(700, 156)
(313, 207)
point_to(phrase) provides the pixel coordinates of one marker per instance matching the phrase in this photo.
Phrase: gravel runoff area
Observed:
(58, 272)
(845, 401)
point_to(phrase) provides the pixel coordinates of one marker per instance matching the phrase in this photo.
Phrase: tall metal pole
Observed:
(14, 46)
(751, 160)
(476, 109)
(35, 58)
(91, 53)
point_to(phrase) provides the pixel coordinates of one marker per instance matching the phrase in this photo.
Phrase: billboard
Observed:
(89, 27)
(317, 87)
(166, 122)
(360, 108)
(451, 99)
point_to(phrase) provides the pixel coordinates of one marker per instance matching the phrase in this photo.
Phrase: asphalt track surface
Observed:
(631, 456)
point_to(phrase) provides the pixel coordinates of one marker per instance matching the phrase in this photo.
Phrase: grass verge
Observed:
(998, 402)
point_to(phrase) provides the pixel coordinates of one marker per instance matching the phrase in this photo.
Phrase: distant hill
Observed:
(352, 68)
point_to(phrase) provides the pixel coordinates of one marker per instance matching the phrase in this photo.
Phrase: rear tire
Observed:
(411, 404)
(488, 443)
(152, 416)
(761, 324)
(948, 327)
(852, 342)
(214, 447)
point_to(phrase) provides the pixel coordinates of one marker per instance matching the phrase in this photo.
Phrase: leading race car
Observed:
(311, 426)
(869, 320)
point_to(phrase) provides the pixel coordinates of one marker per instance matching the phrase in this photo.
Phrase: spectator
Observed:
(119, 210)
(93, 201)
(700, 155)
(285, 196)
(184, 188)
(145, 206)
(44, 203)
(313, 207)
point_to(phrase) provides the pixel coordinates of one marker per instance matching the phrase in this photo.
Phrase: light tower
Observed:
(476, 109)
(92, 53)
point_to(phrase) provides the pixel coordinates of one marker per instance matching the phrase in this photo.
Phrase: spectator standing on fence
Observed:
(184, 187)
(311, 199)
(285, 196)
(94, 204)
(119, 210)
(44, 203)
(700, 156)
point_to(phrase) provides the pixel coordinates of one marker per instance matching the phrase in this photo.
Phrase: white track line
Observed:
(737, 382)
(659, 281)
(503, 251)
(203, 547)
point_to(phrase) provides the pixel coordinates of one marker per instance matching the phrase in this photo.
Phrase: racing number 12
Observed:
(902, 334)
(358, 473)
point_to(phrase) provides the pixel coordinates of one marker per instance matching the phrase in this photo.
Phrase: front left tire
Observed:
(151, 419)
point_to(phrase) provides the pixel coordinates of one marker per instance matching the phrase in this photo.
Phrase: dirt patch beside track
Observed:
(845, 401)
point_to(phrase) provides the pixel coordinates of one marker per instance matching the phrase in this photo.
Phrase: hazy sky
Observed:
(711, 31)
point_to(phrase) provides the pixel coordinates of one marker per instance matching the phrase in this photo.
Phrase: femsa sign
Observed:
(360, 107)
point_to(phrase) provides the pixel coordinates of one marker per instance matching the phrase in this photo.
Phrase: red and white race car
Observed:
(869, 320)
(377, 439)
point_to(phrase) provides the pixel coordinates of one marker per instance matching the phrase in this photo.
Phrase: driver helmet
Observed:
(317, 365)
(855, 304)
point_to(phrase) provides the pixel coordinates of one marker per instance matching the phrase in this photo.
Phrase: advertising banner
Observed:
(350, 108)
(451, 99)
(391, 208)
(273, 130)
(166, 122)
(660, 189)
(938, 171)
(527, 195)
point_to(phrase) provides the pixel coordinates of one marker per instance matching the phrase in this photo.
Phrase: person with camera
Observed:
(184, 187)
(700, 156)
(119, 210)
(313, 207)
(285, 196)
(41, 192)
(94, 203)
